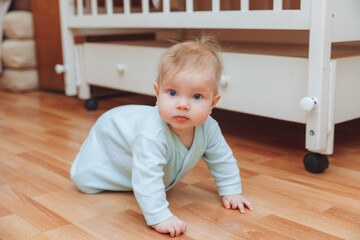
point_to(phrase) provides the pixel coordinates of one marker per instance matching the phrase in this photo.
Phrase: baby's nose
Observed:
(183, 105)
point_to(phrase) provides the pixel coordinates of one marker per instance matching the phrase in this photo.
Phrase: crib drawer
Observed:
(122, 67)
(262, 85)
(270, 86)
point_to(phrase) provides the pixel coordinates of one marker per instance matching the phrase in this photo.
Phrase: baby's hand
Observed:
(173, 225)
(237, 201)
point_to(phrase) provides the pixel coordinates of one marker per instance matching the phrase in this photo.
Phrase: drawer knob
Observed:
(223, 81)
(120, 68)
(308, 103)
(60, 68)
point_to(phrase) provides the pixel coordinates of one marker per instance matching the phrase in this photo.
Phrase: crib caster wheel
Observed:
(91, 104)
(316, 162)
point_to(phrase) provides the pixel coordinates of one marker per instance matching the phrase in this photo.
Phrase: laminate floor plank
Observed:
(41, 133)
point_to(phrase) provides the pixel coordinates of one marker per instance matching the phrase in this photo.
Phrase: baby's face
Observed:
(186, 100)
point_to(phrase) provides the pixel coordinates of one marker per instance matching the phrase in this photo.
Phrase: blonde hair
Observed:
(199, 54)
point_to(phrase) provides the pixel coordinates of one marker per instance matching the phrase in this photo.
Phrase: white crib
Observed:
(266, 85)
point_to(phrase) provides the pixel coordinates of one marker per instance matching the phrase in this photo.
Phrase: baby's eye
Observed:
(172, 93)
(197, 96)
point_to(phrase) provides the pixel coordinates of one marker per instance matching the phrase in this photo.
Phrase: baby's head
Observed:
(197, 56)
(187, 86)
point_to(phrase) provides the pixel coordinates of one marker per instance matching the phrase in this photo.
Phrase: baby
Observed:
(148, 149)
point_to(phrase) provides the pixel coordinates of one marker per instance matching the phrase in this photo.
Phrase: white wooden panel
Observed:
(347, 95)
(346, 20)
(290, 19)
(261, 85)
(267, 86)
(305, 5)
(140, 66)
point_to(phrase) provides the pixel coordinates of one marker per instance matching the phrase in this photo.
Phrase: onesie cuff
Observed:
(158, 218)
(230, 190)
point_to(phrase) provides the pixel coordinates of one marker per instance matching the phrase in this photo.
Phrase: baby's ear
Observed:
(156, 88)
(214, 102)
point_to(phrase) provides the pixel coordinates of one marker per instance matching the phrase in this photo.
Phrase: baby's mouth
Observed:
(181, 118)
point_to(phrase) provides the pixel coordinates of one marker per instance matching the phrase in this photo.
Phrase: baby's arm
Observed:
(173, 225)
(237, 202)
(149, 159)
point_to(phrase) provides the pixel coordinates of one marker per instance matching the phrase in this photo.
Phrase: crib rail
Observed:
(183, 14)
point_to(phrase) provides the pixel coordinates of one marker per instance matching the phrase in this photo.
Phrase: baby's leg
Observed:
(99, 177)
(84, 179)
(83, 182)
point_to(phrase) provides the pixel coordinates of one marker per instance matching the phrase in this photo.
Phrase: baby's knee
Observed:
(82, 184)
(84, 188)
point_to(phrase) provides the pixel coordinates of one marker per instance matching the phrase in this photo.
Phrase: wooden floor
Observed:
(40, 134)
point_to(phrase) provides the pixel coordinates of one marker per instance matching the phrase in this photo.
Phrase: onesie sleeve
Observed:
(149, 158)
(221, 162)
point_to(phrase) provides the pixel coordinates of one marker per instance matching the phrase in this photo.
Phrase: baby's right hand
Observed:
(173, 225)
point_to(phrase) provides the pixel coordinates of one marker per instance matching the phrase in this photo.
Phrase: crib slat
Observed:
(126, 6)
(145, 6)
(278, 5)
(109, 7)
(305, 4)
(189, 6)
(245, 5)
(166, 6)
(94, 9)
(80, 9)
(215, 5)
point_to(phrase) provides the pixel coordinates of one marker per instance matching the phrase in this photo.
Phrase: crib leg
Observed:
(329, 131)
(84, 87)
(318, 162)
(67, 39)
(320, 124)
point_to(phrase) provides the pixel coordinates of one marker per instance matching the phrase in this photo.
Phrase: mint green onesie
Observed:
(130, 148)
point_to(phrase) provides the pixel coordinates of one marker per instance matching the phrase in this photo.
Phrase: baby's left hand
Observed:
(237, 201)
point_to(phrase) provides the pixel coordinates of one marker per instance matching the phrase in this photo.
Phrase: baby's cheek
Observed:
(164, 111)
(201, 116)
